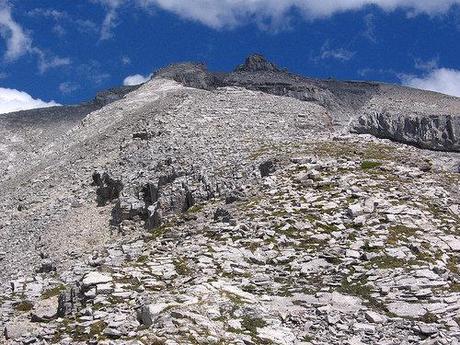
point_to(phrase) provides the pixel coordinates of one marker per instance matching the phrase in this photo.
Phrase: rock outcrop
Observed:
(434, 132)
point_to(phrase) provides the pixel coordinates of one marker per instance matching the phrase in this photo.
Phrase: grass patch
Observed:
(429, 318)
(389, 262)
(181, 266)
(327, 228)
(359, 288)
(399, 232)
(195, 209)
(142, 259)
(367, 165)
(252, 323)
(454, 287)
(159, 231)
(24, 306)
(53, 292)
(97, 328)
(452, 265)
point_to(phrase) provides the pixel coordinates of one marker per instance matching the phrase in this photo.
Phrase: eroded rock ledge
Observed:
(436, 132)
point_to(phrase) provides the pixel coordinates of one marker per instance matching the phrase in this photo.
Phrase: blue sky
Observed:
(65, 50)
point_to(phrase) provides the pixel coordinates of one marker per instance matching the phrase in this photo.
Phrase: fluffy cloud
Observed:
(18, 42)
(136, 79)
(441, 80)
(14, 100)
(230, 13)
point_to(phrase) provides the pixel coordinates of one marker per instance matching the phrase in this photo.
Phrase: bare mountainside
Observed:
(250, 207)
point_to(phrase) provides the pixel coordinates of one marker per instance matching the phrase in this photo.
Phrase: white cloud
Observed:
(136, 79)
(48, 13)
(68, 87)
(111, 17)
(340, 54)
(14, 100)
(441, 80)
(267, 14)
(369, 33)
(45, 63)
(427, 65)
(230, 13)
(18, 43)
(63, 21)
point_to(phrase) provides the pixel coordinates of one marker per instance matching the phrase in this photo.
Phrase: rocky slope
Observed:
(25, 134)
(207, 208)
(424, 119)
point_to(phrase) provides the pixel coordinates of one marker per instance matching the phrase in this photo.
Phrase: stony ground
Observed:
(181, 215)
(352, 241)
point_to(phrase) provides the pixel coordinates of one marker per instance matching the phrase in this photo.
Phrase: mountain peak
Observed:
(257, 63)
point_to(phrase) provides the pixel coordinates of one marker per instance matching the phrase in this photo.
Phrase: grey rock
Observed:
(404, 309)
(436, 132)
(267, 168)
(374, 317)
(147, 314)
(257, 63)
(108, 188)
(68, 302)
(45, 310)
(222, 215)
(95, 278)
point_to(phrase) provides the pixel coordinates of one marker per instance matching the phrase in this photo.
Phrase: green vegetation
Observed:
(454, 287)
(358, 288)
(399, 232)
(53, 292)
(367, 165)
(252, 323)
(24, 306)
(142, 259)
(361, 289)
(389, 262)
(195, 209)
(97, 328)
(181, 266)
(452, 265)
(429, 318)
(159, 231)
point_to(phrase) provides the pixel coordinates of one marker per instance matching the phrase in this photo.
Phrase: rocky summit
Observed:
(250, 207)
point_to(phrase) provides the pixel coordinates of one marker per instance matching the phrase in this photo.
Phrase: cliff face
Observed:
(434, 132)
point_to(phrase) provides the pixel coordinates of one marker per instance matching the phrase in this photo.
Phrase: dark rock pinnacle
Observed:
(257, 63)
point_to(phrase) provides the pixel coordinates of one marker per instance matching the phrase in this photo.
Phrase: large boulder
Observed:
(45, 310)
(68, 302)
(108, 188)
